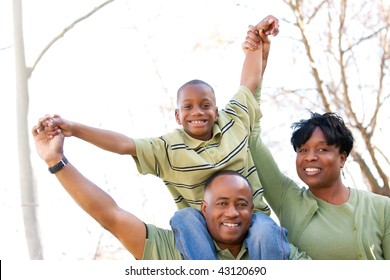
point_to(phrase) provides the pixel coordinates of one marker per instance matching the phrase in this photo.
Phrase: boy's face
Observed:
(197, 111)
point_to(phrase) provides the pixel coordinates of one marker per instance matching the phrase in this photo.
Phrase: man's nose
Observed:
(231, 211)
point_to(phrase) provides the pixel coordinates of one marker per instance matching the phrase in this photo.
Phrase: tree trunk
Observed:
(27, 185)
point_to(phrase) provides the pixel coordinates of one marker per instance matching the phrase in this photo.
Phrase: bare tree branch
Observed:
(59, 36)
(339, 88)
(366, 38)
(316, 10)
(301, 26)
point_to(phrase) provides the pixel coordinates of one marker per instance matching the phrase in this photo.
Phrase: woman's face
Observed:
(318, 164)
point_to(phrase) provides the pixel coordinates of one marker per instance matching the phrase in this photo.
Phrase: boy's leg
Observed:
(192, 237)
(266, 240)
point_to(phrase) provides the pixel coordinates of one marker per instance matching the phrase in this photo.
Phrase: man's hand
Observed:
(49, 145)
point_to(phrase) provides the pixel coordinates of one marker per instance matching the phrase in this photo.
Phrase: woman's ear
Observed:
(343, 158)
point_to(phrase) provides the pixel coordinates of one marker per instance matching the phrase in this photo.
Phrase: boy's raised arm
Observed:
(105, 139)
(256, 49)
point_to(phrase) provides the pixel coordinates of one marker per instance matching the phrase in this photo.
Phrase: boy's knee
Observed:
(185, 213)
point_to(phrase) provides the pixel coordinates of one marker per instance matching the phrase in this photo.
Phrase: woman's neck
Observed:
(335, 196)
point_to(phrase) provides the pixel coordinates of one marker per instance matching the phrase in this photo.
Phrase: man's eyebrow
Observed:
(243, 199)
(222, 198)
(227, 198)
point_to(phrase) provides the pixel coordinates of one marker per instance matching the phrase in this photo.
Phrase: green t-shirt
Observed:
(357, 229)
(185, 163)
(160, 245)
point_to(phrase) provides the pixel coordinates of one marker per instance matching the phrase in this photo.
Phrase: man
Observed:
(227, 208)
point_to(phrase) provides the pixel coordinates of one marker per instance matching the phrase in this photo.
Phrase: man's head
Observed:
(196, 109)
(228, 208)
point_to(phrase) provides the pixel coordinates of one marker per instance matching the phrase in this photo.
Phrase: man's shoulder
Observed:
(160, 244)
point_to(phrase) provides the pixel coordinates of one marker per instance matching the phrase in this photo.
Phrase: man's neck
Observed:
(234, 249)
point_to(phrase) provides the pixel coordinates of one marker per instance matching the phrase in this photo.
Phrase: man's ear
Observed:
(203, 207)
(216, 113)
(177, 116)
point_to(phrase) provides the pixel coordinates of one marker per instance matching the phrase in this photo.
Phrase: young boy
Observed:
(209, 141)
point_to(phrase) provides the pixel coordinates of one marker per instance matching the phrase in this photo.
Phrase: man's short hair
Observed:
(226, 172)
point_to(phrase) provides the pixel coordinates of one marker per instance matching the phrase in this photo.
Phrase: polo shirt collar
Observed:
(227, 255)
(196, 143)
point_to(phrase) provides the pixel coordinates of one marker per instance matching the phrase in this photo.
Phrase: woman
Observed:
(327, 220)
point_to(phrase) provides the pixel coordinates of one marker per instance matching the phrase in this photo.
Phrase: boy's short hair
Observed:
(193, 82)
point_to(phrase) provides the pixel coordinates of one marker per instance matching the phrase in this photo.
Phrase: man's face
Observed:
(228, 208)
(197, 111)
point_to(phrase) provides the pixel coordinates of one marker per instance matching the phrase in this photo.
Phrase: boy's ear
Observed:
(216, 113)
(177, 117)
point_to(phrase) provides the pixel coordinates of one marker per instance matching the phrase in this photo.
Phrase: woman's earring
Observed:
(342, 172)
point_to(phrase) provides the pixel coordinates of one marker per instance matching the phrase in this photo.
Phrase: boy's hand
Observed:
(252, 40)
(257, 37)
(52, 123)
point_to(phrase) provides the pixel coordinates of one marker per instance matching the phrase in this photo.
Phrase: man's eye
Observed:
(242, 205)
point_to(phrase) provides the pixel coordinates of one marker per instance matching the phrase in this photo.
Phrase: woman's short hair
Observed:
(331, 124)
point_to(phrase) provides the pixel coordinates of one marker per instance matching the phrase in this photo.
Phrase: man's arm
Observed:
(129, 230)
(256, 49)
(105, 139)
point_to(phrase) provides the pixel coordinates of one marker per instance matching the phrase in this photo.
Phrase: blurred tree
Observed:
(27, 183)
(347, 50)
